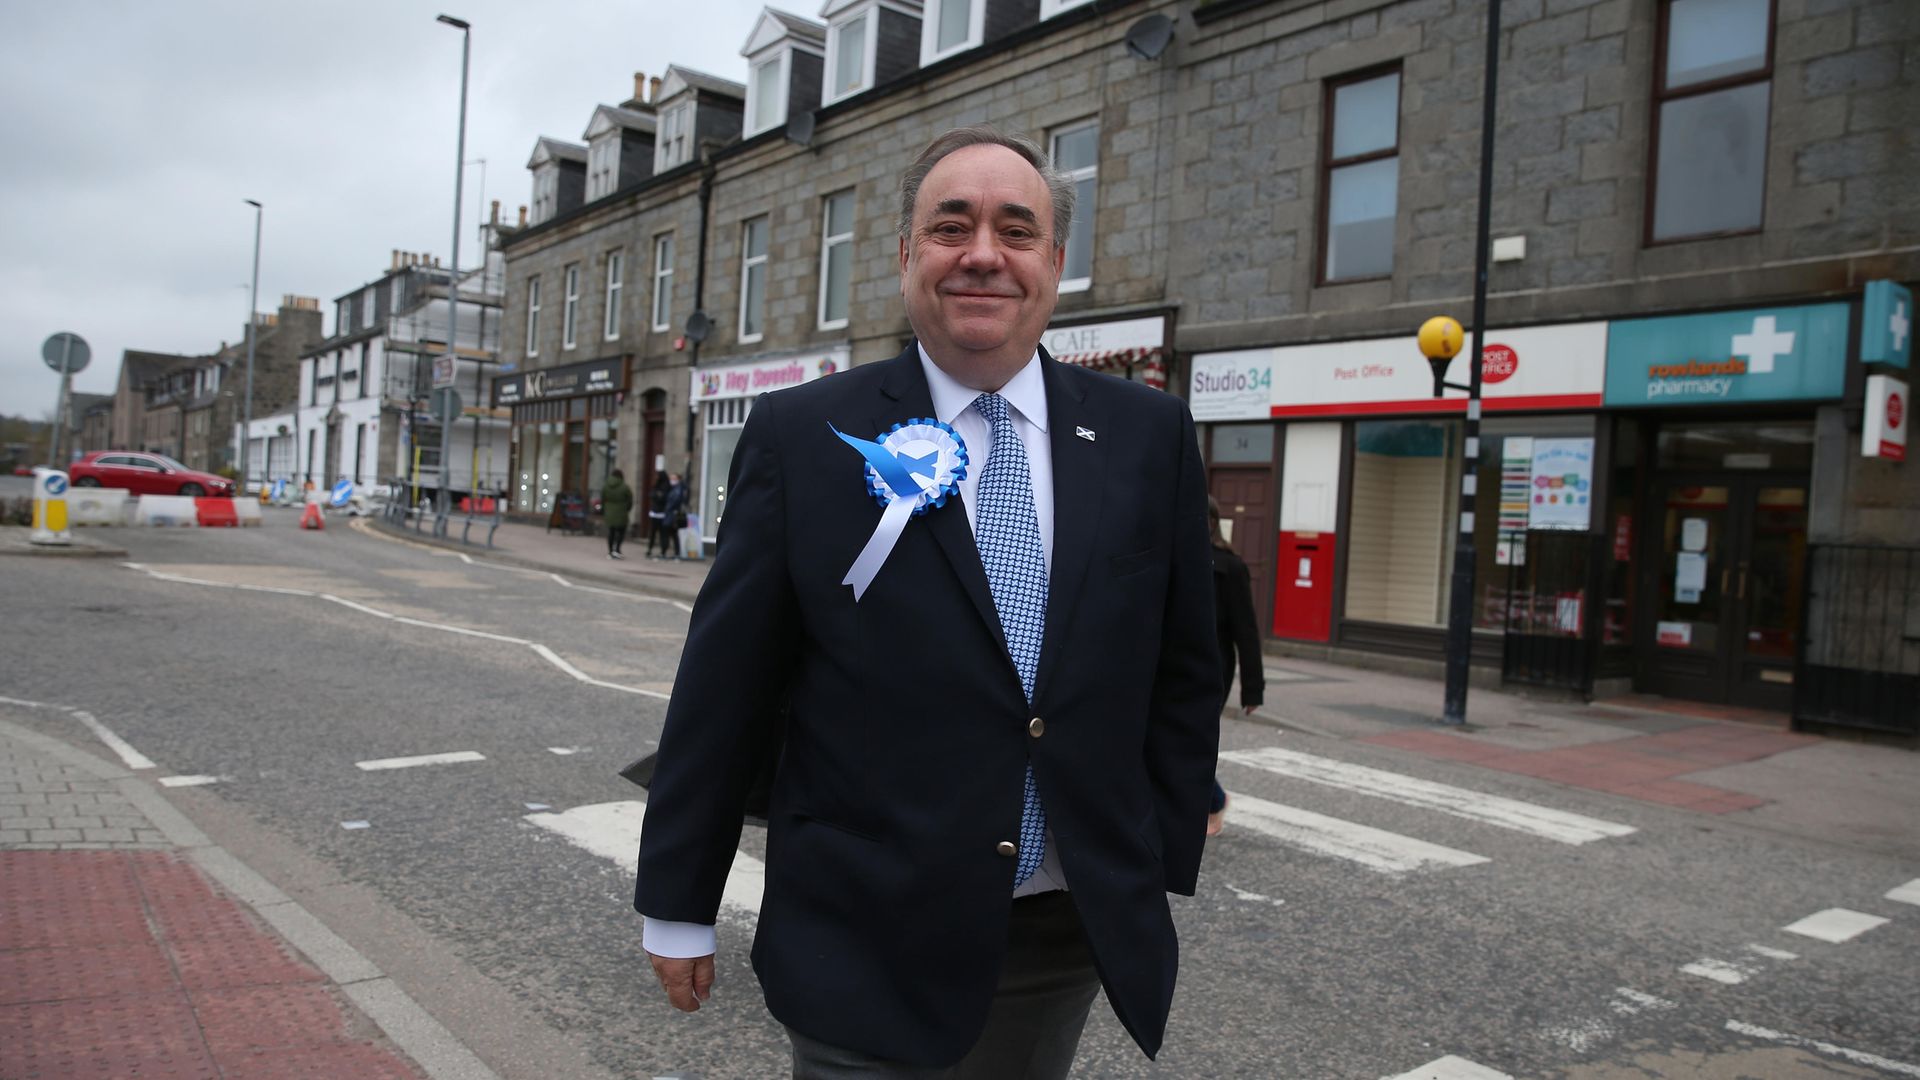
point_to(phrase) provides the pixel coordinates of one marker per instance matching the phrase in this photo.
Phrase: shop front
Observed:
(722, 395)
(1639, 508)
(1133, 348)
(566, 433)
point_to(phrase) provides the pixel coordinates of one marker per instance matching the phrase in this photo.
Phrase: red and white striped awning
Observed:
(1151, 362)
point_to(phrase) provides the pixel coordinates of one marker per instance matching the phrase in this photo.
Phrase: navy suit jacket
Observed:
(907, 734)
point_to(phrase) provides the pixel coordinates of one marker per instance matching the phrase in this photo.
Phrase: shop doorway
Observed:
(1725, 577)
(1245, 495)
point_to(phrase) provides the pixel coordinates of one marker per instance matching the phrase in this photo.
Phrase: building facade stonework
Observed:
(1286, 183)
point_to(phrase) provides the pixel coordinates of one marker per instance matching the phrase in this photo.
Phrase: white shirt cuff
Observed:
(677, 940)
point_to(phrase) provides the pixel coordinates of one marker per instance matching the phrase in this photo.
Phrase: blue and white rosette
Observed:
(914, 467)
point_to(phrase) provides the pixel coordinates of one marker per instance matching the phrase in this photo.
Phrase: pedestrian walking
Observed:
(673, 515)
(999, 694)
(1238, 633)
(657, 513)
(616, 505)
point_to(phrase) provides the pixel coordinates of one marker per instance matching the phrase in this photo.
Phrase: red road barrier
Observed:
(213, 512)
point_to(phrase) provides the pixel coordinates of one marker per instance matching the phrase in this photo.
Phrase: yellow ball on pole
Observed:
(1441, 338)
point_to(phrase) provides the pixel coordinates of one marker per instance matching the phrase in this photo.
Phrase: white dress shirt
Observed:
(1026, 392)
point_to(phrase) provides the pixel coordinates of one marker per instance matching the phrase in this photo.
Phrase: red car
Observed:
(144, 474)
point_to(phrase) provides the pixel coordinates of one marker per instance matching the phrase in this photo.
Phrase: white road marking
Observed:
(356, 824)
(1730, 972)
(423, 759)
(1541, 821)
(134, 759)
(554, 659)
(1772, 953)
(1860, 1057)
(1375, 849)
(548, 654)
(1258, 898)
(191, 781)
(537, 806)
(563, 751)
(33, 704)
(1581, 1035)
(1908, 893)
(1451, 1068)
(1633, 1001)
(612, 831)
(1835, 925)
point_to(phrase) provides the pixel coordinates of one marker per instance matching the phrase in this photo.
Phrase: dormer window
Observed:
(603, 166)
(784, 55)
(546, 192)
(856, 61)
(951, 26)
(676, 135)
(767, 94)
(849, 54)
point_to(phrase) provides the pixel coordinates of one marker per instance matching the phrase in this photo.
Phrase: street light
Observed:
(253, 308)
(453, 268)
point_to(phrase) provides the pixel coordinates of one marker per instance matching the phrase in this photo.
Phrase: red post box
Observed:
(1303, 587)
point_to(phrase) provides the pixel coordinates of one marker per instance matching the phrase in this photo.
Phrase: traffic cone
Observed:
(312, 518)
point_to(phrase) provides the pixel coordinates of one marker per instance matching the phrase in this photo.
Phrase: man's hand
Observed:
(688, 982)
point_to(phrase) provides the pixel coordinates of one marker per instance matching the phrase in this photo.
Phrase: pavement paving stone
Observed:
(118, 963)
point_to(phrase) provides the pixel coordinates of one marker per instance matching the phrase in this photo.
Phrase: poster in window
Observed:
(1689, 577)
(1516, 482)
(1561, 483)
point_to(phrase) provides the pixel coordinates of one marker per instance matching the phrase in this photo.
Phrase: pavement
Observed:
(131, 945)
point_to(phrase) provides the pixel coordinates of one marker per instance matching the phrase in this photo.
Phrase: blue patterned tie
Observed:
(1008, 533)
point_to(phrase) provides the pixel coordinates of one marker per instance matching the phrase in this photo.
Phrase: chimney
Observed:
(640, 87)
(653, 90)
(495, 222)
(523, 217)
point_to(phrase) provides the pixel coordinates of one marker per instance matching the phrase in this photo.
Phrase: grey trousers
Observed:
(1033, 1026)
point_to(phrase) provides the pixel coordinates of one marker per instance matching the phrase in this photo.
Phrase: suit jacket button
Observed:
(1036, 727)
(1007, 848)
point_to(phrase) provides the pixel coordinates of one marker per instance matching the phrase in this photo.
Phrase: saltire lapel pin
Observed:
(1085, 433)
(914, 467)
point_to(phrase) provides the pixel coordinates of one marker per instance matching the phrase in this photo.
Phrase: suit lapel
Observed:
(1079, 473)
(904, 396)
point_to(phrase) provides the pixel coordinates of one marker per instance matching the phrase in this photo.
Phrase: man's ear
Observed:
(903, 266)
(1059, 262)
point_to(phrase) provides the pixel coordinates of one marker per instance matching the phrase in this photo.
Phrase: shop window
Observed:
(1360, 177)
(1783, 445)
(1533, 518)
(1076, 152)
(1402, 520)
(1713, 81)
(724, 420)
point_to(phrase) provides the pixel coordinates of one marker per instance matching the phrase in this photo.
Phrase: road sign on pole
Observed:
(66, 353)
(446, 405)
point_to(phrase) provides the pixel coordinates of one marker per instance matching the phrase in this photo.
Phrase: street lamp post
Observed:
(453, 270)
(253, 316)
(1440, 340)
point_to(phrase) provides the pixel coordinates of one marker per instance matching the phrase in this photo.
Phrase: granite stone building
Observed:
(1703, 232)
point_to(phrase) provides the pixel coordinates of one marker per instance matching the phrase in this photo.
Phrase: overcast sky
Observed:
(132, 131)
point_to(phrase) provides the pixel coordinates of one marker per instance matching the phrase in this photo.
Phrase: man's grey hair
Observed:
(1058, 186)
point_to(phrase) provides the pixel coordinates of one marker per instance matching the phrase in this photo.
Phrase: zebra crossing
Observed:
(611, 830)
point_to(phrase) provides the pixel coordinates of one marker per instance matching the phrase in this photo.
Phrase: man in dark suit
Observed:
(999, 741)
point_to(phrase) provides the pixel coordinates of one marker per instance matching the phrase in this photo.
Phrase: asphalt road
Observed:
(496, 893)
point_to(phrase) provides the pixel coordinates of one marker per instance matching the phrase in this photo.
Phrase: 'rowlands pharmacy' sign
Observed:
(1759, 354)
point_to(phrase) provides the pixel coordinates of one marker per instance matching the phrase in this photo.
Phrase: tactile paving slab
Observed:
(62, 877)
(239, 1022)
(252, 959)
(41, 924)
(361, 1061)
(82, 972)
(128, 1035)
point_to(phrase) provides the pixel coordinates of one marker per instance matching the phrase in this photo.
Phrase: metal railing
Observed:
(1859, 662)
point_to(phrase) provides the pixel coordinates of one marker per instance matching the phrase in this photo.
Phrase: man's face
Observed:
(979, 268)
